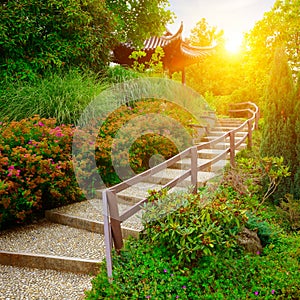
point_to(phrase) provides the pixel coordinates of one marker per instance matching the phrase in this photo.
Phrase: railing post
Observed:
(115, 220)
(249, 134)
(194, 167)
(232, 149)
(107, 235)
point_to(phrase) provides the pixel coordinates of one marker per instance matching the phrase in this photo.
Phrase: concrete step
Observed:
(185, 164)
(209, 153)
(226, 145)
(89, 215)
(47, 245)
(220, 133)
(235, 121)
(167, 175)
(227, 128)
(141, 190)
(238, 136)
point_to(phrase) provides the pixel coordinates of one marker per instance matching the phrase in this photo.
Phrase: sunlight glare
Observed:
(233, 44)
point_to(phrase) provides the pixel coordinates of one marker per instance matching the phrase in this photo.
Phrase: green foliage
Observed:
(154, 65)
(289, 209)
(143, 271)
(278, 27)
(205, 35)
(150, 270)
(118, 74)
(265, 231)
(138, 20)
(62, 96)
(279, 131)
(193, 226)
(120, 148)
(36, 172)
(296, 190)
(48, 35)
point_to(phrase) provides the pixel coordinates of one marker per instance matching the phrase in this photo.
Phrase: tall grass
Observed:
(60, 96)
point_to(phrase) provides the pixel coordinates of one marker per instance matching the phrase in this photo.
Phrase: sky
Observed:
(235, 17)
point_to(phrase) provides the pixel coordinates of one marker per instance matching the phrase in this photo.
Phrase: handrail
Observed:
(112, 218)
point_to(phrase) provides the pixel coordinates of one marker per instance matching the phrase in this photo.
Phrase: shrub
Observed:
(133, 134)
(193, 226)
(36, 172)
(265, 231)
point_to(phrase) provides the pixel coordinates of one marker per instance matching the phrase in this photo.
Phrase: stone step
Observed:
(227, 128)
(140, 191)
(209, 153)
(167, 175)
(236, 121)
(210, 138)
(48, 245)
(215, 134)
(185, 164)
(226, 145)
(90, 215)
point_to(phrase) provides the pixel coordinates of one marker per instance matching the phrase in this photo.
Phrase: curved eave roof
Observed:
(177, 52)
(196, 52)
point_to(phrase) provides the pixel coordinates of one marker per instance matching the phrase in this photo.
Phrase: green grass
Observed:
(60, 96)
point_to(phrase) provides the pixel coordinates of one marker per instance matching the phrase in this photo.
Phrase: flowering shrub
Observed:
(36, 172)
(162, 128)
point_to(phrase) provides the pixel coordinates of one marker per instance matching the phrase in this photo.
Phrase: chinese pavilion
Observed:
(178, 54)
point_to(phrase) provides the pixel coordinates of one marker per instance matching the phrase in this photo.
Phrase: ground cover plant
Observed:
(186, 252)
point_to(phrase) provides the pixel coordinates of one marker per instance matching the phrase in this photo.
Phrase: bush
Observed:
(36, 172)
(193, 226)
(133, 134)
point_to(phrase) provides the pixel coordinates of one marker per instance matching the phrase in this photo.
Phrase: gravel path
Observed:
(25, 283)
(53, 239)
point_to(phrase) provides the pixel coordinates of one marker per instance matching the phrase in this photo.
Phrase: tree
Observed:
(297, 131)
(278, 28)
(220, 73)
(205, 35)
(138, 20)
(40, 35)
(279, 134)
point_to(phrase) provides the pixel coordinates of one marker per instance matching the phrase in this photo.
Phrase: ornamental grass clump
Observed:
(36, 172)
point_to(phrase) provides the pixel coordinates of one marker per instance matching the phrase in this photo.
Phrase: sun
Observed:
(233, 43)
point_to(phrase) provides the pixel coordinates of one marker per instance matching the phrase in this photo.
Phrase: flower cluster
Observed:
(36, 171)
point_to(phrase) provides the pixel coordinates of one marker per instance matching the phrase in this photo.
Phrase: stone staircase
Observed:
(71, 238)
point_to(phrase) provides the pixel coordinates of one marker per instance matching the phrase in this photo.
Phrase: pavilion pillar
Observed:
(183, 76)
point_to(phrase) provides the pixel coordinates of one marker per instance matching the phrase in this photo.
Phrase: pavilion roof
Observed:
(178, 53)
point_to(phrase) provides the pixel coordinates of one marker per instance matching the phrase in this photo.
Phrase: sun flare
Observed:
(233, 44)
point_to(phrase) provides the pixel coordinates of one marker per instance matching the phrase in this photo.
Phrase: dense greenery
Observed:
(48, 35)
(36, 36)
(132, 135)
(280, 136)
(176, 258)
(59, 95)
(36, 171)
